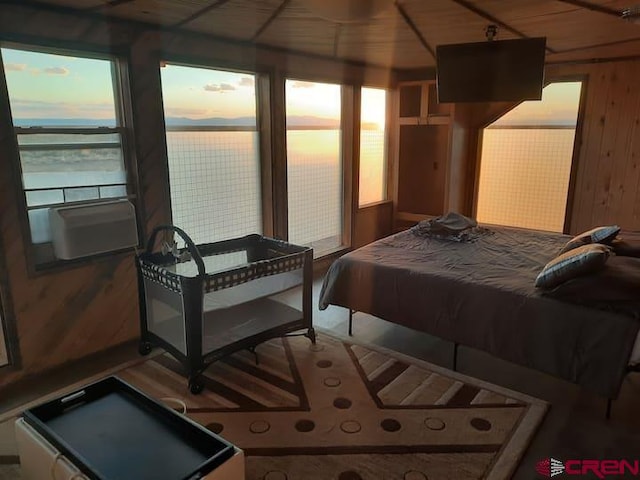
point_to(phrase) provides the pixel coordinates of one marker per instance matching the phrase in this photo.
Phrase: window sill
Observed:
(375, 204)
(44, 262)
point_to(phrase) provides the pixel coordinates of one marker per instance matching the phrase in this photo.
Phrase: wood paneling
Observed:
(389, 39)
(422, 172)
(607, 171)
(444, 21)
(385, 40)
(148, 11)
(372, 223)
(458, 162)
(238, 19)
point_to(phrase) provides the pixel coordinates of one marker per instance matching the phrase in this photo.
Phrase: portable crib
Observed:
(203, 302)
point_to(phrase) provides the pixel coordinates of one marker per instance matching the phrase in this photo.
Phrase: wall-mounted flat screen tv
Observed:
(491, 71)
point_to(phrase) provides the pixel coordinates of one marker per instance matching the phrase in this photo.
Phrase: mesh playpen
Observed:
(202, 302)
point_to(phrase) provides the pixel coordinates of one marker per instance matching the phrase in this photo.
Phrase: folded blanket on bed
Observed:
(452, 226)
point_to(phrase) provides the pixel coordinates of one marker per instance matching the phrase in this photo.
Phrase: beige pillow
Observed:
(568, 265)
(595, 235)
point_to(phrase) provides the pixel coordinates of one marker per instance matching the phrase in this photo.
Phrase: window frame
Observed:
(7, 319)
(386, 149)
(349, 125)
(263, 81)
(39, 256)
(577, 141)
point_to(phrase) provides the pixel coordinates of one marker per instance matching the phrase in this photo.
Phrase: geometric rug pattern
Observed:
(340, 410)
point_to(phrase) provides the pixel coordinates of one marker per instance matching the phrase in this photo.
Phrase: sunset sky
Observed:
(54, 86)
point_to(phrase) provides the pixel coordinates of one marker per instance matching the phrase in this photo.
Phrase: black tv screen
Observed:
(491, 71)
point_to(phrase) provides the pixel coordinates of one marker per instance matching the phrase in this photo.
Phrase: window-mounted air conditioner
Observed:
(79, 231)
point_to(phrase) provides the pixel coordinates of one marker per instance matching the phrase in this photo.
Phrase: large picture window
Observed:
(314, 165)
(213, 151)
(373, 151)
(69, 124)
(526, 161)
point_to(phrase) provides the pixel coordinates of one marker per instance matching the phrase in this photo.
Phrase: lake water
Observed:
(215, 180)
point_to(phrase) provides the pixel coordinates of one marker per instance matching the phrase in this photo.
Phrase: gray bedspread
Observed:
(481, 294)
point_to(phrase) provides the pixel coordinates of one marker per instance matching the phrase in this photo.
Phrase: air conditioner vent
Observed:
(80, 231)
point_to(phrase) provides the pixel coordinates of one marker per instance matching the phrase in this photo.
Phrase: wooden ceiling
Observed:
(404, 36)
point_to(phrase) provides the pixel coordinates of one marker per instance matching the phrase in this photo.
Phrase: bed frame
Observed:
(378, 278)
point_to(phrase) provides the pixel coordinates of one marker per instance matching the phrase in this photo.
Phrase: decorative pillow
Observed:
(613, 288)
(595, 235)
(571, 264)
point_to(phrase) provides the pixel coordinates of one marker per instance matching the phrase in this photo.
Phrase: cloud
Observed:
(15, 67)
(246, 82)
(300, 84)
(223, 87)
(56, 71)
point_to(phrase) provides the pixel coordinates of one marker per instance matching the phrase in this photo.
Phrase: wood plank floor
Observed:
(574, 428)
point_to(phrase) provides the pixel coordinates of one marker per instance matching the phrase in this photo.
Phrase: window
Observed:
(70, 132)
(213, 152)
(373, 152)
(314, 165)
(526, 161)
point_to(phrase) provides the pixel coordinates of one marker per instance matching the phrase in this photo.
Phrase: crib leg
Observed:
(350, 323)
(608, 414)
(455, 357)
(311, 334)
(255, 354)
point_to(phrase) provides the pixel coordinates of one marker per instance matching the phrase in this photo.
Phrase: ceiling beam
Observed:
(596, 8)
(270, 20)
(487, 16)
(104, 6)
(599, 45)
(415, 29)
(199, 13)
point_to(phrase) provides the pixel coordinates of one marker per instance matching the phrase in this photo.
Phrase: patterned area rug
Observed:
(339, 410)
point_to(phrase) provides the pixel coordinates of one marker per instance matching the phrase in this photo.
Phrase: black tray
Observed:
(111, 431)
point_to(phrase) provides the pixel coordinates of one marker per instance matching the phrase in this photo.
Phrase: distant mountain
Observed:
(293, 121)
(211, 122)
(63, 122)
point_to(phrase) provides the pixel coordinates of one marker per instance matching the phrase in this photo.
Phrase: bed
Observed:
(481, 294)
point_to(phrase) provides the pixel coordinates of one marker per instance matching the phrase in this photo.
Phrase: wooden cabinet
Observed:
(430, 157)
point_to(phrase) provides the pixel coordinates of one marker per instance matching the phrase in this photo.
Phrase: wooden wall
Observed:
(373, 222)
(607, 177)
(68, 314)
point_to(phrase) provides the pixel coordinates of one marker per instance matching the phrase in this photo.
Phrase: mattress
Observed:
(481, 294)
